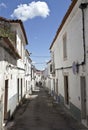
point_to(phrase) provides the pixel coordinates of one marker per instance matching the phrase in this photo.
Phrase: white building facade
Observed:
(12, 73)
(48, 77)
(21, 42)
(7, 79)
(28, 65)
(69, 55)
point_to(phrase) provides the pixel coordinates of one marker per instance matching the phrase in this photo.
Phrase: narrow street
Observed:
(41, 112)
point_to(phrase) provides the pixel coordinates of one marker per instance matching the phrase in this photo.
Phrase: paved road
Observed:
(40, 112)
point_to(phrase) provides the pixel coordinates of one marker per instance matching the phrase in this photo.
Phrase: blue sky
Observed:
(41, 20)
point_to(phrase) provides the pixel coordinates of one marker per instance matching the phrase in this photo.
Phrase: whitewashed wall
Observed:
(12, 91)
(27, 73)
(75, 52)
(7, 59)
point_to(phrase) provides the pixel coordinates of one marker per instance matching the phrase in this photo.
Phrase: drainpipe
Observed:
(83, 6)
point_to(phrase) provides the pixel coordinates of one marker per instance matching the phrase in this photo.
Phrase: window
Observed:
(50, 68)
(65, 47)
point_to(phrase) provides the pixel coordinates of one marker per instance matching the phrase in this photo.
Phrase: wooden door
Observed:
(21, 88)
(57, 86)
(83, 97)
(66, 90)
(6, 100)
(18, 90)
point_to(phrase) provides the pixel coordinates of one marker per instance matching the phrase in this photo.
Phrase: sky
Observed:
(41, 19)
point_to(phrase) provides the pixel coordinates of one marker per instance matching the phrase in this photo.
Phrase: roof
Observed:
(39, 71)
(10, 45)
(3, 19)
(49, 62)
(30, 59)
(28, 52)
(64, 20)
(21, 24)
(16, 21)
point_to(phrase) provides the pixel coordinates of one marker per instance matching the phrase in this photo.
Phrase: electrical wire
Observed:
(40, 56)
(40, 63)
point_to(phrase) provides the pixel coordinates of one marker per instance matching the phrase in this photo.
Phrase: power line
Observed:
(41, 56)
(40, 63)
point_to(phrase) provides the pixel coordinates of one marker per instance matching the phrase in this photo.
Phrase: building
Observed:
(38, 76)
(47, 77)
(21, 42)
(8, 58)
(12, 75)
(33, 76)
(28, 64)
(69, 61)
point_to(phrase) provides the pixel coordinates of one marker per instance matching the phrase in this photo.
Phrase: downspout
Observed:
(82, 7)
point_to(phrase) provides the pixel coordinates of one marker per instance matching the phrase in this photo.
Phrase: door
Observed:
(66, 90)
(6, 100)
(57, 86)
(21, 89)
(54, 85)
(1, 111)
(83, 97)
(26, 85)
(18, 89)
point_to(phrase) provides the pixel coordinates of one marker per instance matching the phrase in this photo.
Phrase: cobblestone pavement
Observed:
(40, 112)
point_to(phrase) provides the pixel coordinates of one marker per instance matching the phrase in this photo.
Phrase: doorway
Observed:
(18, 89)
(54, 85)
(26, 85)
(21, 88)
(57, 86)
(66, 90)
(6, 100)
(83, 97)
